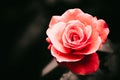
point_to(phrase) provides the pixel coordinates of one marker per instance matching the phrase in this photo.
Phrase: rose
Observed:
(74, 39)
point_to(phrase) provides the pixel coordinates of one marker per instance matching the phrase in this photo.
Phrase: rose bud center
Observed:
(75, 37)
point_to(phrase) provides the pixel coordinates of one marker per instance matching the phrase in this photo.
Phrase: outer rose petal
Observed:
(55, 35)
(54, 20)
(48, 40)
(85, 18)
(103, 30)
(71, 14)
(87, 65)
(61, 57)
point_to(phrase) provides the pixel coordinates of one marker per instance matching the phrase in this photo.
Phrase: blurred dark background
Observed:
(23, 31)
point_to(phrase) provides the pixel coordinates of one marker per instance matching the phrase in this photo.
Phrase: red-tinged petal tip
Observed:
(48, 40)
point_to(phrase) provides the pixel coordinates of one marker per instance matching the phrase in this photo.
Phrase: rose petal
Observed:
(54, 20)
(94, 43)
(103, 30)
(48, 40)
(61, 57)
(71, 14)
(91, 47)
(88, 31)
(85, 18)
(87, 65)
(55, 35)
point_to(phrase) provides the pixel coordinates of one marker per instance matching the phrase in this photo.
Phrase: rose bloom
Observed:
(74, 37)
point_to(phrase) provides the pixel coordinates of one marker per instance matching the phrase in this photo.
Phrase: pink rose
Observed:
(74, 39)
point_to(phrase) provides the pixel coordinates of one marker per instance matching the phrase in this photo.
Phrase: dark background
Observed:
(24, 52)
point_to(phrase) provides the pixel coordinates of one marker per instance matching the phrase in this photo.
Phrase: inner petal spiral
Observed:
(75, 37)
